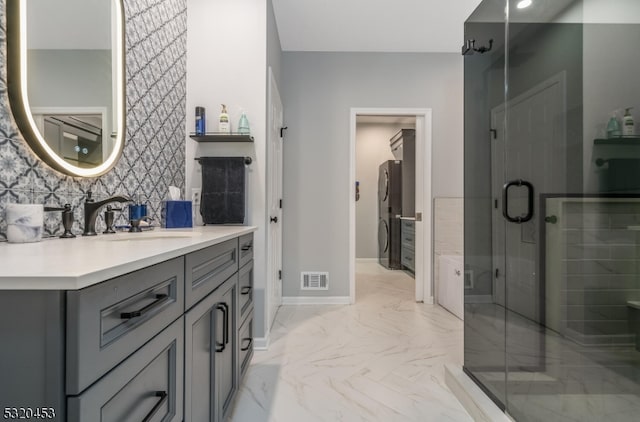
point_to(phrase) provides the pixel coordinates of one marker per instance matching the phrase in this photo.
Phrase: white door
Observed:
(274, 200)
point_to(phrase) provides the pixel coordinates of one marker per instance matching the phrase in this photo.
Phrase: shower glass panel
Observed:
(484, 90)
(552, 208)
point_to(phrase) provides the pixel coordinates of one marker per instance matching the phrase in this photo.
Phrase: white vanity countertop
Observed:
(71, 264)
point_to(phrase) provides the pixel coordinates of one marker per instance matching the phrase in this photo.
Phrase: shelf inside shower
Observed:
(623, 140)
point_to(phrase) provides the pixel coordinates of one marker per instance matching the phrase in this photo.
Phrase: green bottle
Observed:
(613, 127)
(243, 124)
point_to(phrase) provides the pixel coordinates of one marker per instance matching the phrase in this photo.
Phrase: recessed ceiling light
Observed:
(524, 3)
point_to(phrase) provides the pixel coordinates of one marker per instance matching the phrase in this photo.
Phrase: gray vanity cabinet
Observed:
(165, 343)
(207, 268)
(109, 321)
(147, 386)
(211, 349)
(245, 326)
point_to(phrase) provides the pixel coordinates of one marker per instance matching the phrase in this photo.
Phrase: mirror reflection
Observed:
(71, 56)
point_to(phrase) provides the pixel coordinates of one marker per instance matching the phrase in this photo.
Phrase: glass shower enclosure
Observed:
(552, 207)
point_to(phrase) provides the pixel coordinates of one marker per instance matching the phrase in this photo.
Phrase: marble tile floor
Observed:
(381, 359)
(551, 379)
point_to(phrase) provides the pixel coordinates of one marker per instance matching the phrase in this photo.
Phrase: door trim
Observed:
(424, 197)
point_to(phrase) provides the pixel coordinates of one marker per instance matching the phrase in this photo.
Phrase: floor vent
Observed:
(315, 281)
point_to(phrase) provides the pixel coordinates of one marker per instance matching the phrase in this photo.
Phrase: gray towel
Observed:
(223, 190)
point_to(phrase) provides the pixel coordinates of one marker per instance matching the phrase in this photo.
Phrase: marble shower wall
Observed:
(154, 152)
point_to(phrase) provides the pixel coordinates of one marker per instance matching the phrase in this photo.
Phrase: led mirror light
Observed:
(17, 66)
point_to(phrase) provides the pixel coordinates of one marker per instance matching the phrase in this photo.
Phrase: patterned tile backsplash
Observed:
(154, 152)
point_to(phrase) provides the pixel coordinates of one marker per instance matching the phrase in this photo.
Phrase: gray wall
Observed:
(610, 83)
(274, 49)
(372, 149)
(153, 156)
(319, 91)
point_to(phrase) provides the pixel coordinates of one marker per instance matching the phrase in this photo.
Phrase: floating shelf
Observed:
(623, 140)
(221, 137)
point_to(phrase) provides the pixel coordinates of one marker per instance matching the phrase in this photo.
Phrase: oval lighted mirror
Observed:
(66, 81)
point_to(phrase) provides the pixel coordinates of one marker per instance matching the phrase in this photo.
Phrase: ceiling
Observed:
(372, 25)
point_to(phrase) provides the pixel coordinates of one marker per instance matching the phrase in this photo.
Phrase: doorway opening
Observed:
(391, 200)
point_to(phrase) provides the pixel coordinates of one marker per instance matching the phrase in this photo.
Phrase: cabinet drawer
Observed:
(408, 233)
(245, 337)
(408, 258)
(109, 321)
(246, 248)
(408, 226)
(208, 268)
(246, 289)
(147, 386)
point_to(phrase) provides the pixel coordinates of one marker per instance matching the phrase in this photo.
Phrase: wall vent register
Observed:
(315, 280)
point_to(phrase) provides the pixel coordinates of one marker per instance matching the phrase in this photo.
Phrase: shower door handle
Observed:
(505, 201)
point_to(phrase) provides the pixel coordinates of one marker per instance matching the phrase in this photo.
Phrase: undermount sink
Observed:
(125, 237)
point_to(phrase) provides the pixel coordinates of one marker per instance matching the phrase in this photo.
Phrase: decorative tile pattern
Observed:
(154, 152)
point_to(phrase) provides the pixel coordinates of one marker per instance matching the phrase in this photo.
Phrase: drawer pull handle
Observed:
(248, 346)
(220, 346)
(163, 398)
(226, 323)
(245, 290)
(246, 247)
(160, 300)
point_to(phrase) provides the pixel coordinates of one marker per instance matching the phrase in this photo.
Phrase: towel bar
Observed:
(247, 160)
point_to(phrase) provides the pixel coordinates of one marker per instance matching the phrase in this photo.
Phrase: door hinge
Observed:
(494, 133)
(280, 204)
(279, 274)
(497, 273)
(495, 203)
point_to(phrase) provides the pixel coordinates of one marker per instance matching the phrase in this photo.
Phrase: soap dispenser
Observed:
(613, 127)
(628, 126)
(223, 123)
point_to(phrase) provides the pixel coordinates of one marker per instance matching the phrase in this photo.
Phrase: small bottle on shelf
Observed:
(628, 125)
(223, 122)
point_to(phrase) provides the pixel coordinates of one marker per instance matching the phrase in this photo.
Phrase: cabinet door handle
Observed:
(160, 300)
(246, 247)
(163, 398)
(248, 346)
(214, 327)
(226, 323)
(245, 290)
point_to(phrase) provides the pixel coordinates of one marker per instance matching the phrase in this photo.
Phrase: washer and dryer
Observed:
(389, 213)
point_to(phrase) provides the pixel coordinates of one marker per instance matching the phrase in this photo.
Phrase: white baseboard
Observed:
(473, 399)
(261, 343)
(365, 260)
(316, 300)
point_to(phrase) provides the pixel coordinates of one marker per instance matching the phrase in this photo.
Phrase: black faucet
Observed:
(91, 209)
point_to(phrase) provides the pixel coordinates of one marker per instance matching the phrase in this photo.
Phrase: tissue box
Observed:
(176, 214)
